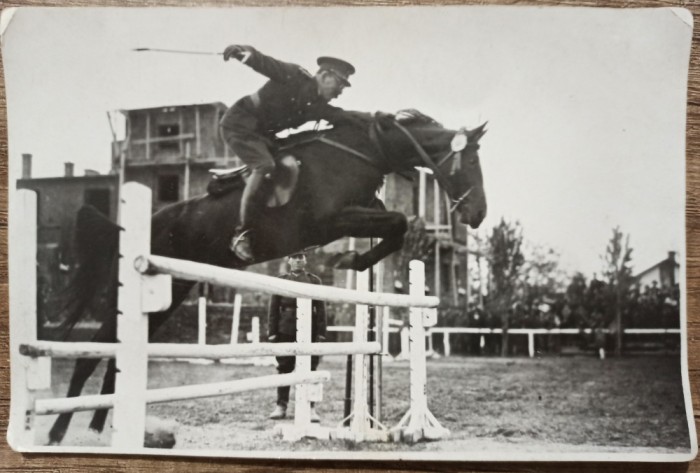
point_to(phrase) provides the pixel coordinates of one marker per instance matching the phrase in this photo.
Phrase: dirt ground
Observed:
(563, 404)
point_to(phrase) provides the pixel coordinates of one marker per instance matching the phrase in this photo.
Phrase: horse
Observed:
(340, 171)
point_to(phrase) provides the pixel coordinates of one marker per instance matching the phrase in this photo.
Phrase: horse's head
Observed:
(453, 156)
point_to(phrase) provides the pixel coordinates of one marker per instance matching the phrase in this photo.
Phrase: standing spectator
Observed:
(282, 328)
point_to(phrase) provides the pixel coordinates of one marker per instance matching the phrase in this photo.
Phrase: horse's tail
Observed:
(94, 284)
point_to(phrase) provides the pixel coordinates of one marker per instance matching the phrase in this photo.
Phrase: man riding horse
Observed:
(289, 99)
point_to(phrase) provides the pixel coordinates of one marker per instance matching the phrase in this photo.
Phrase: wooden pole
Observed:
(75, 350)
(271, 285)
(236, 319)
(28, 375)
(181, 393)
(129, 418)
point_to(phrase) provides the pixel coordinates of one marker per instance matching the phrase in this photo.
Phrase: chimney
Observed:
(672, 256)
(69, 169)
(26, 166)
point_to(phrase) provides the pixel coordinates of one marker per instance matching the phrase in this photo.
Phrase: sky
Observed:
(586, 107)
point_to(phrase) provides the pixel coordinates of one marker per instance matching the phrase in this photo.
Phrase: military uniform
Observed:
(289, 99)
(282, 324)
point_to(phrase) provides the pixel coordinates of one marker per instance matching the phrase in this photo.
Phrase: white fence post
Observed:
(446, 343)
(135, 291)
(360, 420)
(419, 422)
(302, 406)
(202, 314)
(28, 374)
(236, 322)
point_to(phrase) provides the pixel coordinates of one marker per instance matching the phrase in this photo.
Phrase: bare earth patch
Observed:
(576, 405)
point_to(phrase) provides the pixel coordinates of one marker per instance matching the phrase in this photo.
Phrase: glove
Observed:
(240, 52)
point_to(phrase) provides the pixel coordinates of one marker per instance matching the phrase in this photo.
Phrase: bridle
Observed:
(458, 144)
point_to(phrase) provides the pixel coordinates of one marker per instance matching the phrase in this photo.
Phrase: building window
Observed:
(168, 133)
(98, 198)
(169, 188)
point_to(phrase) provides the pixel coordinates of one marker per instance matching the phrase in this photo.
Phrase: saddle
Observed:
(284, 180)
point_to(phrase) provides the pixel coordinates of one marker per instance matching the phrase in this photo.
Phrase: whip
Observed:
(176, 51)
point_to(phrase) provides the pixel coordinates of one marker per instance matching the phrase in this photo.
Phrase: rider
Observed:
(289, 99)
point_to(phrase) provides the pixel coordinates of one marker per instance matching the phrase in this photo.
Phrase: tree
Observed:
(543, 280)
(506, 259)
(618, 272)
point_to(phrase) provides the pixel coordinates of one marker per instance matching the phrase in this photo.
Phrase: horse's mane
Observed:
(411, 116)
(408, 116)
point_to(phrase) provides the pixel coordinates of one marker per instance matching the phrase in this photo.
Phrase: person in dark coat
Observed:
(289, 99)
(282, 328)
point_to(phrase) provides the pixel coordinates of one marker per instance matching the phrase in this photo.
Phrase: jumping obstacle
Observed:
(145, 282)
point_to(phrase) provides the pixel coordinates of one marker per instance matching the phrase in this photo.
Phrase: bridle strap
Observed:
(441, 178)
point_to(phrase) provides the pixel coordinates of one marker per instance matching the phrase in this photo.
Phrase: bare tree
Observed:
(506, 259)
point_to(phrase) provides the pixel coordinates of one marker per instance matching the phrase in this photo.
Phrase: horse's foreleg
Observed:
(361, 222)
(180, 290)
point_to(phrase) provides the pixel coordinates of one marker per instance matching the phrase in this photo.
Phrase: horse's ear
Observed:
(476, 134)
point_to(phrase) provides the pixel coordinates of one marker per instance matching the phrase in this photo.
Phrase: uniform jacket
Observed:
(282, 316)
(289, 99)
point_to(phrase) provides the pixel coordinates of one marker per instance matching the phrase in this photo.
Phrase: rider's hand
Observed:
(237, 51)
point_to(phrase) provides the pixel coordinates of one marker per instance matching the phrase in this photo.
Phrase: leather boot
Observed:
(252, 203)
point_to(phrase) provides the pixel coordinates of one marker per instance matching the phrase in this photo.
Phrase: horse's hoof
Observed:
(347, 260)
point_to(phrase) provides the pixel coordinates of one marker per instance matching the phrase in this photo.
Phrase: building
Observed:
(171, 149)
(665, 273)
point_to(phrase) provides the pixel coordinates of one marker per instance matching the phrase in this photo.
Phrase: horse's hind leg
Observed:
(98, 419)
(83, 369)
(180, 291)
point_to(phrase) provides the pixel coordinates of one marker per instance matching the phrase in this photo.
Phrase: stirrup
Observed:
(240, 246)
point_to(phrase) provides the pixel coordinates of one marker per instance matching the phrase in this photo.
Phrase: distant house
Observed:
(665, 273)
(171, 149)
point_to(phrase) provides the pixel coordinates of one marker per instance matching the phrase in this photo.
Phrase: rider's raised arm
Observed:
(270, 67)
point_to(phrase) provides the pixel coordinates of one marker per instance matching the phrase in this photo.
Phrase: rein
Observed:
(435, 168)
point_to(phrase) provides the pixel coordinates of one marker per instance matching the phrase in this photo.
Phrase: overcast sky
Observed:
(586, 107)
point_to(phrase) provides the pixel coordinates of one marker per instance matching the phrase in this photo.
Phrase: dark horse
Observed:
(335, 197)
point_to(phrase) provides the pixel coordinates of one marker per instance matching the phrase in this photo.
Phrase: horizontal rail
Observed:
(181, 393)
(73, 350)
(562, 331)
(258, 282)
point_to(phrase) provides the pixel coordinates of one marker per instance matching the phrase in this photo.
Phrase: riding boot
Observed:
(252, 203)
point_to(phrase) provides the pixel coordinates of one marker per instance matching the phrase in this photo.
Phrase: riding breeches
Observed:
(253, 149)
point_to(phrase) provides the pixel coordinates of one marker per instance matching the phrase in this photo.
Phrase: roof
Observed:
(665, 261)
(203, 105)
